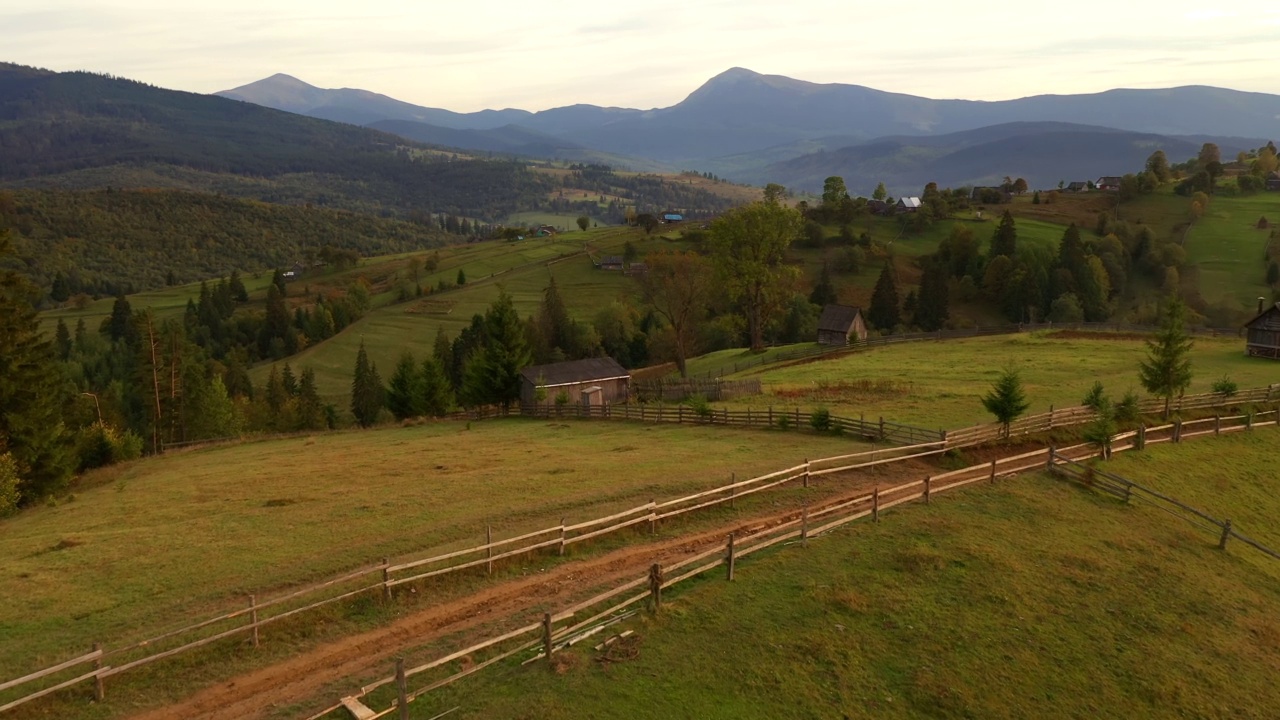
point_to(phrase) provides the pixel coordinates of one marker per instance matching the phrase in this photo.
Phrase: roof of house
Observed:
(611, 260)
(1267, 311)
(574, 372)
(909, 202)
(837, 318)
(672, 215)
(1078, 184)
(1109, 180)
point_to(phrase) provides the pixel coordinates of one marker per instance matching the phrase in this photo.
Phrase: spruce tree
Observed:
(238, 291)
(120, 325)
(493, 375)
(62, 341)
(406, 392)
(1006, 400)
(310, 408)
(461, 279)
(442, 349)
(289, 381)
(1005, 240)
(553, 323)
(932, 306)
(367, 394)
(883, 313)
(437, 394)
(1167, 369)
(824, 293)
(32, 392)
(275, 395)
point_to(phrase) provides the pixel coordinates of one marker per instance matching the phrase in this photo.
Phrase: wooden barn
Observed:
(841, 324)
(1264, 334)
(594, 381)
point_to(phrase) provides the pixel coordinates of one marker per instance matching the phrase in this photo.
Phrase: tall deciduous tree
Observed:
(1166, 371)
(678, 287)
(583, 222)
(1006, 400)
(880, 192)
(834, 192)
(493, 375)
(367, 393)
(884, 313)
(1158, 166)
(748, 246)
(31, 393)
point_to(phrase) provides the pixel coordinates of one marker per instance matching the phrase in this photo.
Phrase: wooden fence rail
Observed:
(357, 582)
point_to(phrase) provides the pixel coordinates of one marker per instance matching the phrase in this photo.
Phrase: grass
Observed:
(1229, 249)
(939, 385)
(1032, 598)
(174, 538)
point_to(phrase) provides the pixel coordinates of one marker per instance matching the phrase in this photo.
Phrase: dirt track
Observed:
(308, 680)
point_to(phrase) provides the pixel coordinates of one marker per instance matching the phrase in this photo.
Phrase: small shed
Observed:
(594, 381)
(611, 262)
(1264, 334)
(840, 324)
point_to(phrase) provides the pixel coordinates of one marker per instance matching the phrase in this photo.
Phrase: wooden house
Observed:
(1077, 186)
(1264, 334)
(908, 204)
(841, 324)
(1273, 181)
(611, 262)
(594, 381)
(1108, 183)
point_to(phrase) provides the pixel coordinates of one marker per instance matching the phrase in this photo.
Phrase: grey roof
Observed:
(574, 371)
(913, 202)
(611, 260)
(1270, 309)
(837, 318)
(1109, 180)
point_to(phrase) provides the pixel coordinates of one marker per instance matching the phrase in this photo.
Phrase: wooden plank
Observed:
(837, 523)
(461, 653)
(880, 462)
(473, 563)
(640, 508)
(607, 612)
(473, 669)
(840, 506)
(694, 572)
(51, 689)
(468, 551)
(574, 610)
(726, 488)
(611, 528)
(739, 552)
(87, 657)
(358, 709)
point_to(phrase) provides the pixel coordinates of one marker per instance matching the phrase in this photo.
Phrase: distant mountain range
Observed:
(760, 128)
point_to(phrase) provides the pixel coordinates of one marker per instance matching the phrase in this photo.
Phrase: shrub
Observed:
(8, 485)
(784, 422)
(562, 398)
(1225, 386)
(100, 445)
(820, 419)
(700, 406)
(1126, 411)
(1096, 397)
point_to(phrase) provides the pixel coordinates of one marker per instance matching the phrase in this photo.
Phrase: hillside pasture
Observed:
(168, 540)
(939, 385)
(1229, 249)
(1031, 598)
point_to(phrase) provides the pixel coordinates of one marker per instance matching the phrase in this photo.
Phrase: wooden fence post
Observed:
(562, 537)
(1142, 437)
(748, 417)
(253, 618)
(680, 414)
(729, 563)
(993, 471)
(928, 480)
(1226, 534)
(653, 516)
(797, 418)
(402, 692)
(386, 577)
(546, 636)
(875, 504)
(770, 416)
(1177, 431)
(1053, 456)
(806, 472)
(733, 492)
(804, 526)
(488, 542)
(726, 416)
(655, 586)
(1217, 424)
(1248, 420)
(99, 691)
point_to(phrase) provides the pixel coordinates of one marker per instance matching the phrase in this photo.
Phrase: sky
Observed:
(467, 55)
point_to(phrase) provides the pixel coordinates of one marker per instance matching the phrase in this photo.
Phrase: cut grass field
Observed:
(169, 540)
(1031, 598)
(939, 385)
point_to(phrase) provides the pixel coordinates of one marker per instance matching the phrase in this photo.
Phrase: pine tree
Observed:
(238, 291)
(554, 326)
(1006, 400)
(1005, 240)
(406, 391)
(437, 394)
(461, 279)
(276, 395)
(883, 313)
(289, 381)
(120, 324)
(1167, 369)
(932, 306)
(31, 393)
(442, 349)
(276, 325)
(824, 293)
(62, 341)
(311, 415)
(367, 393)
(493, 376)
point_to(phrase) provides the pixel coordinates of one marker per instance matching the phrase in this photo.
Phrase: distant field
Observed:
(939, 385)
(1032, 598)
(1229, 248)
(167, 540)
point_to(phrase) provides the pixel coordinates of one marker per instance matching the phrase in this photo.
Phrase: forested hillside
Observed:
(107, 241)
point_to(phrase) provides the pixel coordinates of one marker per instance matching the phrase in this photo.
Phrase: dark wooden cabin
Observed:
(1264, 334)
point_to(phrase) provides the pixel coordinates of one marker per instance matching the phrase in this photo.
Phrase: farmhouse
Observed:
(839, 324)
(1273, 181)
(594, 381)
(294, 272)
(908, 204)
(1108, 183)
(611, 262)
(1077, 186)
(1264, 334)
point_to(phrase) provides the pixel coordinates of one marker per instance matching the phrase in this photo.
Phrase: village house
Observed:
(1264, 333)
(590, 382)
(1273, 181)
(908, 204)
(841, 324)
(1076, 187)
(611, 262)
(1108, 183)
(294, 272)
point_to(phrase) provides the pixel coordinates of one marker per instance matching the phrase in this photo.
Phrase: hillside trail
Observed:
(314, 679)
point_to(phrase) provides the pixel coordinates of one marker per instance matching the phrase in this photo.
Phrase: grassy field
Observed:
(939, 385)
(1228, 247)
(1032, 598)
(168, 539)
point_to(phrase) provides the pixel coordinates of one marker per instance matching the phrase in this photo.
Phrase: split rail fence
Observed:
(381, 578)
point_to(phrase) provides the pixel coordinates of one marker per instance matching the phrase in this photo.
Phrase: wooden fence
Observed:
(875, 429)
(679, 389)
(381, 578)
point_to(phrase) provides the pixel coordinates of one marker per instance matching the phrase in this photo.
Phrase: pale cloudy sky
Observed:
(472, 54)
